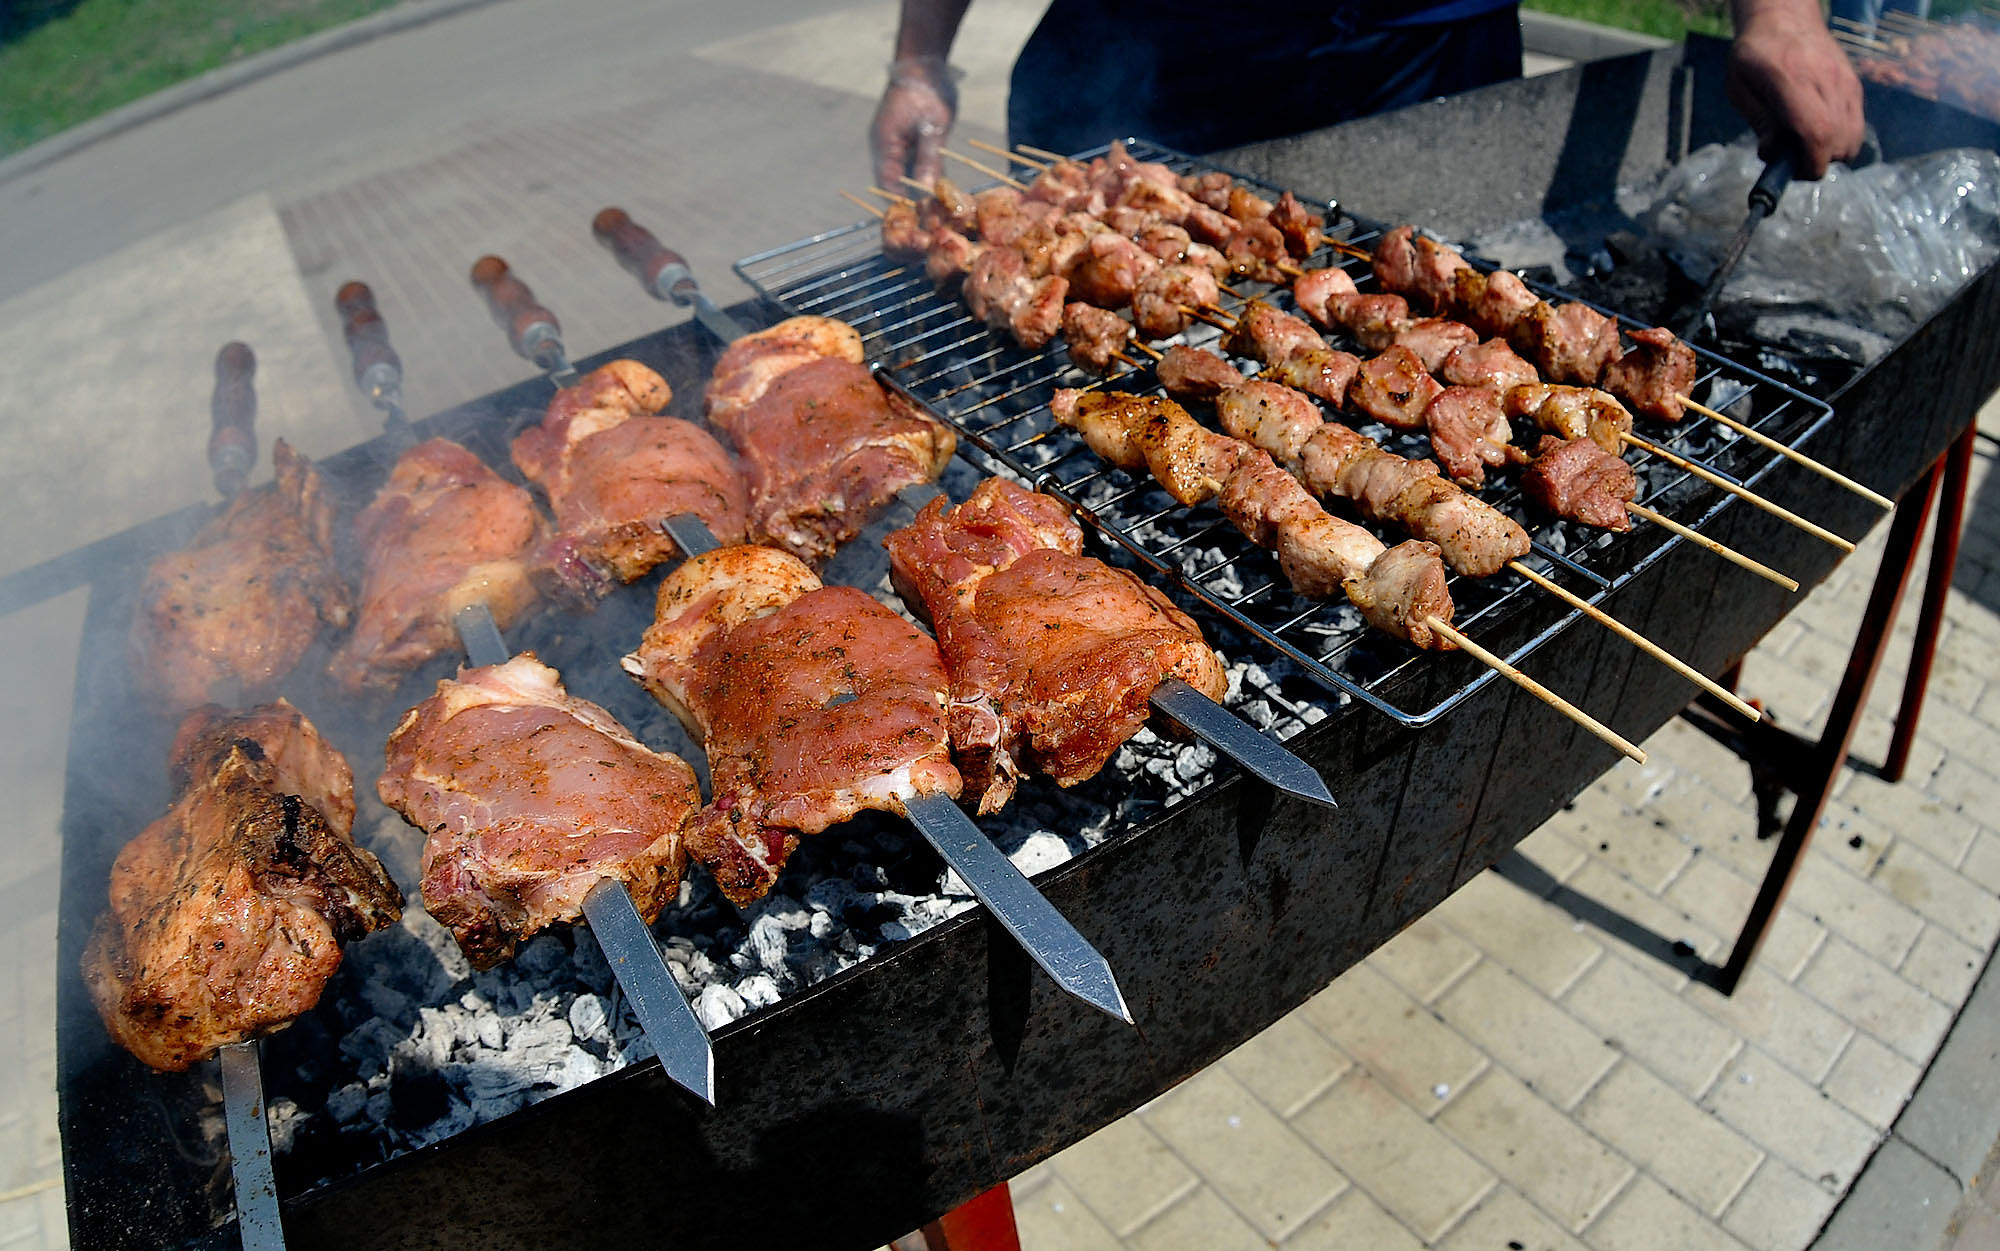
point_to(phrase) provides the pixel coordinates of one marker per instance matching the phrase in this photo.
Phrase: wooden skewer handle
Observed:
(232, 436)
(1603, 732)
(661, 270)
(530, 327)
(377, 368)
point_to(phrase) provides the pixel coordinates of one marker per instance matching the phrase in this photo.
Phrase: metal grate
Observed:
(997, 395)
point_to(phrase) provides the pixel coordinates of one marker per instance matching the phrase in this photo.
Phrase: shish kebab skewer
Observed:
(662, 272)
(676, 1034)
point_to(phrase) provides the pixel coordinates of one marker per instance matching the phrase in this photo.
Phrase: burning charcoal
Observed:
(348, 1102)
(717, 1006)
(587, 1018)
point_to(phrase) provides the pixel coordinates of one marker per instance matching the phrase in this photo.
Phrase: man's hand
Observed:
(1794, 84)
(916, 113)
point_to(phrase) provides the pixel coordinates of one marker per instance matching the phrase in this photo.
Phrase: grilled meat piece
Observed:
(1000, 292)
(1491, 303)
(949, 259)
(1110, 270)
(1373, 318)
(1433, 339)
(1654, 375)
(1094, 335)
(1053, 655)
(1571, 413)
(1475, 538)
(1161, 296)
(1165, 241)
(903, 235)
(1263, 333)
(1469, 432)
(1151, 434)
(948, 206)
(1489, 364)
(613, 473)
(1247, 206)
(1312, 289)
(814, 703)
(1257, 251)
(1067, 185)
(1211, 226)
(444, 532)
(1394, 388)
(1579, 480)
(227, 914)
(1195, 373)
(1419, 269)
(753, 362)
(1572, 343)
(230, 615)
(1276, 418)
(1052, 248)
(1302, 230)
(1211, 188)
(1324, 373)
(528, 797)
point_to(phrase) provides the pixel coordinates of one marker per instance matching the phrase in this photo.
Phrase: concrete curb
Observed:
(225, 78)
(1576, 40)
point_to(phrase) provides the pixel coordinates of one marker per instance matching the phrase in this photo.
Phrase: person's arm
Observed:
(1794, 84)
(921, 100)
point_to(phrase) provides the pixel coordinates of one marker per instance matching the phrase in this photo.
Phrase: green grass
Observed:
(104, 53)
(1670, 19)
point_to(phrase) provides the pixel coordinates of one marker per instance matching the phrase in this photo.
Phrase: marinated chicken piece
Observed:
(950, 258)
(528, 797)
(1405, 595)
(445, 532)
(1433, 339)
(1489, 364)
(1571, 343)
(1001, 293)
(1211, 226)
(1095, 336)
(1655, 376)
(1147, 433)
(1275, 418)
(1257, 251)
(1263, 333)
(1312, 289)
(1195, 373)
(1394, 388)
(1053, 655)
(1419, 269)
(814, 703)
(1110, 270)
(230, 615)
(1211, 188)
(1324, 373)
(1579, 480)
(227, 914)
(1491, 303)
(1475, 538)
(1571, 413)
(750, 364)
(1469, 432)
(824, 449)
(903, 235)
(1159, 303)
(1247, 206)
(1302, 230)
(613, 473)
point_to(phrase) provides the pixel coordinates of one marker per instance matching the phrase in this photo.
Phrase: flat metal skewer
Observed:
(1024, 912)
(1242, 742)
(257, 1218)
(679, 1041)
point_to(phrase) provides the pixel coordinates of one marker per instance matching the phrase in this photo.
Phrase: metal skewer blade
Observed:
(663, 1011)
(250, 1148)
(678, 1039)
(690, 533)
(1240, 741)
(1045, 934)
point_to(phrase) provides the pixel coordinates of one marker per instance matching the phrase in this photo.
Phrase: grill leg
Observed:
(1813, 782)
(1937, 584)
(983, 1223)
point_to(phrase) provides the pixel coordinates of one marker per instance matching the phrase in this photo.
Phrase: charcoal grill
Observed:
(895, 1090)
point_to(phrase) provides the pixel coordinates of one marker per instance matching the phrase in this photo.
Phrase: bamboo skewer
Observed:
(1639, 641)
(997, 150)
(984, 168)
(891, 196)
(1149, 349)
(1743, 493)
(1044, 153)
(1543, 693)
(862, 204)
(1699, 539)
(1764, 440)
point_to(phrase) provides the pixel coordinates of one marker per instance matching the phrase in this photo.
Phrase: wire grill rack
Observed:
(996, 394)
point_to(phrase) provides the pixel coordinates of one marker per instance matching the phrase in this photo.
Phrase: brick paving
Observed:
(1506, 1073)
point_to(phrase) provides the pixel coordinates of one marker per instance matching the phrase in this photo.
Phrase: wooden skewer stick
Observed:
(1699, 539)
(1743, 493)
(1862, 42)
(1041, 152)
(984, 168)
(891, 196)
(1229, 290)
(1131, 364)
(1763, 440)
(1640, 641)
(1536, 689)
(931, 191)
(1286, 267)
(1345, 248)
(997, 150)
(1210, 318)
(862, 204)
(1149, 349)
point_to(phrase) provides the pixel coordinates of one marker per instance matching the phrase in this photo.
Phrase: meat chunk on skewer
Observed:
(445, 532)
(1491, 303)
(1211, 226)
(1312, 290)
(1654, 375)
(1489, 364)
(1066, 185)
(1433, 339)
(1053, 655)
(1150, 434)
(1002, 293)
(1165, 241)
(1419, 269)
(232, 613)
(1247, 206)
(1324, 373)
(1394, 388)
(814, 703)
(753, 362)
(227, 915)
(1257, 251)
(1276, 418)
(1300, 228)
(949, 206)
(1264, 333)
(1110, 270)
(528, 797)
(1094, 336)
(613, 473)
(949, 258)
(1469, 432)
(1571, 343)
(1475, 538)
(1210, 188)
(903, 235)
(1571, 413)
(1162, 296)
(1579, 480)
(1195, 373)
